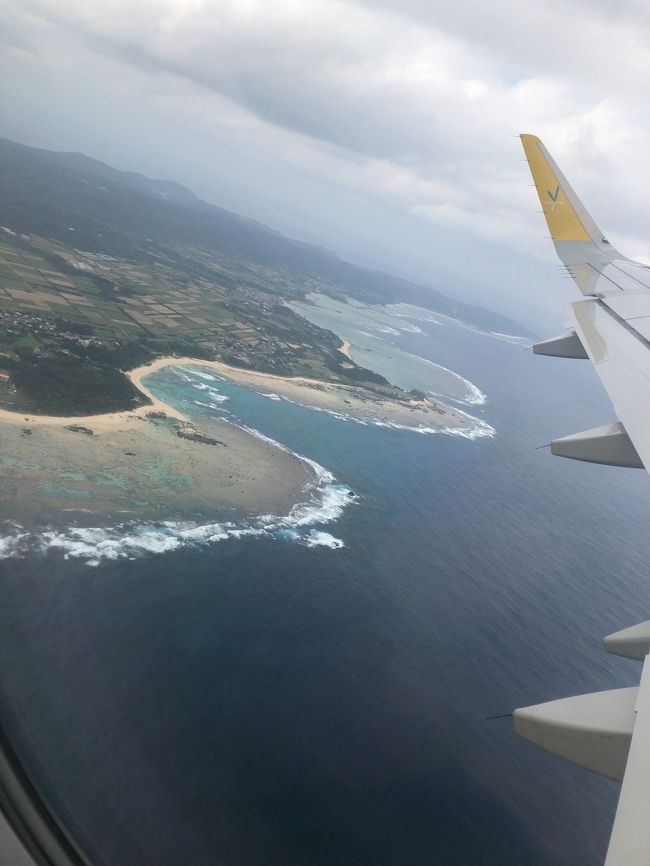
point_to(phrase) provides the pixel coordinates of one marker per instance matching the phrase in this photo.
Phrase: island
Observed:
(106, 277)
(154, 463)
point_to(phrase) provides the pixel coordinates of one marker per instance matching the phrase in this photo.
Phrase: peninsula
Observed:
(121, 273)
(102, 271)
(155, 463)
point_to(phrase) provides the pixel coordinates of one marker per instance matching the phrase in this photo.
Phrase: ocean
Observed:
(317, 690)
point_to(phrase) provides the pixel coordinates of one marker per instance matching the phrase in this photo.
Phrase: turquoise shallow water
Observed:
(255, 698)
(378, 338)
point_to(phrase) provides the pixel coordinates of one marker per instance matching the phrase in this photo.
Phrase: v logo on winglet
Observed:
(554, 196)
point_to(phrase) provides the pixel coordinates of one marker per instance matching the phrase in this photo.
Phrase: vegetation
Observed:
(68, 386)
(73, 199)
(101, 271)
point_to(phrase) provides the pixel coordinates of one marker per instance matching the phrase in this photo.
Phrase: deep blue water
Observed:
(257, 701)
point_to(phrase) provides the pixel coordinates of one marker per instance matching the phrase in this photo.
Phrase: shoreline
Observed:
(98, 470)
(345, 349)
(353, 400)
(102, 422)
(137, 465)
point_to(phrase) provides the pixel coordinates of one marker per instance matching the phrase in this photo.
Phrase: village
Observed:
(61, 307)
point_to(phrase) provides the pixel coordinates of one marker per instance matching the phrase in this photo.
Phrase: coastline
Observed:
(153, 463)
(352, 401)
(123, 466)
(101, 422)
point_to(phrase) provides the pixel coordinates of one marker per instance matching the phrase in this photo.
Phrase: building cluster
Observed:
(24, 329)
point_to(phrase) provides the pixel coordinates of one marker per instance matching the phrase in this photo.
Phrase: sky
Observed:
(384, 130)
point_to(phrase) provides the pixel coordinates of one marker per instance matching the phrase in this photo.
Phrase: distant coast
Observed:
(345, 348)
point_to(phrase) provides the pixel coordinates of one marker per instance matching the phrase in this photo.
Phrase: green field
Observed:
(65, 314)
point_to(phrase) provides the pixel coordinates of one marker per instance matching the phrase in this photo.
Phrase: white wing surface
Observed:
(606, 732)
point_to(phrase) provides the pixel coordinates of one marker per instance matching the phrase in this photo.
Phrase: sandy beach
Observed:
(114, 467)
(345, 348)
(350, 400)
(142, 464)
(99, 423)
(343, 399)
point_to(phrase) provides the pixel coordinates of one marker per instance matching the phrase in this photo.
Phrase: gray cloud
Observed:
(382, 128)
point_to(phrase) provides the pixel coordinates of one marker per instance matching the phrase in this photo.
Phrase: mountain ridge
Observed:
(53, 193)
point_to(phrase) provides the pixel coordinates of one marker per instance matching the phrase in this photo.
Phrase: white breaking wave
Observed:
(411, 329)
(427, 316)
(422, 315)
(133, 540)
(12, 545)
(213, 394)
(208, 376)
(323, 539)
(189, 375)
(474, 395)
(208, 389)
(325, 503)
(479, 429)
(511, 338)
(216, 400)
(204, 405)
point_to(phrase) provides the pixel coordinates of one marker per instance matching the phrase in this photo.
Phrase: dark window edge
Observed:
(29, 816)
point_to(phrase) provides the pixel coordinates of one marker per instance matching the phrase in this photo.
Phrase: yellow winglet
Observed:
(563, 222)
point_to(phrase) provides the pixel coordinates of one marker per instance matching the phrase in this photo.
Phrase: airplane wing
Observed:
(606, 732)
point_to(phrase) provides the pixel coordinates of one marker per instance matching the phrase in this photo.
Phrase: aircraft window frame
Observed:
(28, 815)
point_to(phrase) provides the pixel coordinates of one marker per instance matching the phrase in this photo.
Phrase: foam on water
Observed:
(473, 397)
(190, 375)
(478, 428)
(13, 543)
(131, 540)
(207, 376)
(411, 329)
(214, 405)
(323, 539)
(423, 315)
(214, 393)
(325, 499)
(325, 502)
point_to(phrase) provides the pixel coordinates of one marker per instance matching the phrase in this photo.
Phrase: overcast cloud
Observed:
(381, 129)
